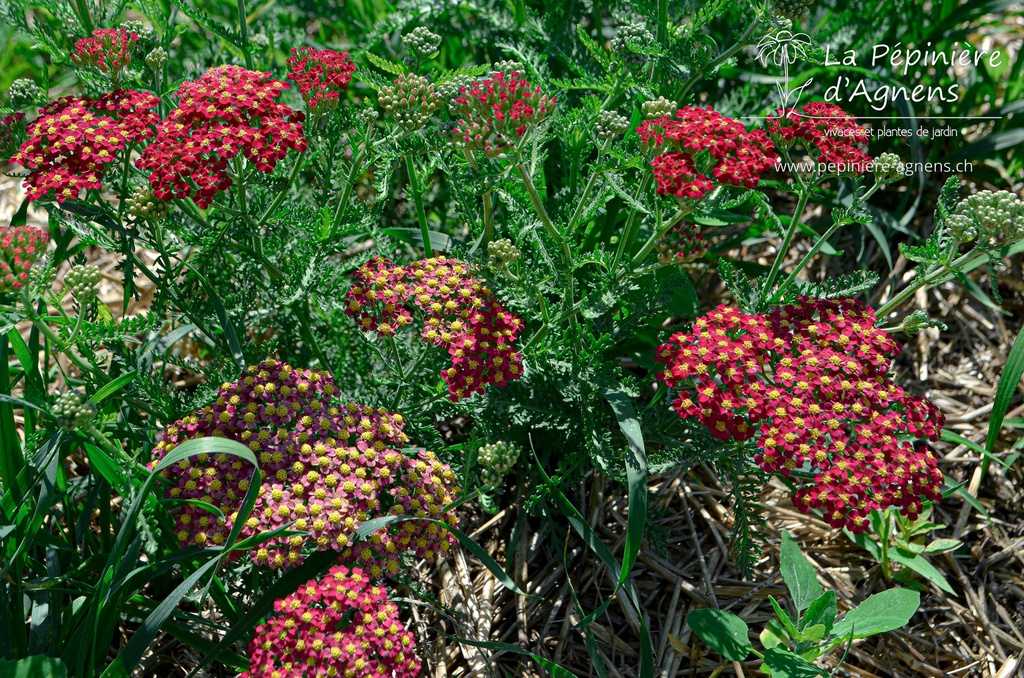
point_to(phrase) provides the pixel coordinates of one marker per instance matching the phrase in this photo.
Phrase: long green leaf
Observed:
(1008, 382)
(548, 665)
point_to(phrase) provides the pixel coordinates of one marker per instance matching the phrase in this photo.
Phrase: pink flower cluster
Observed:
(228, 110)
(20, 247)
(321, 75)
(826, 131)
(460, 314)
(108, 50)
(73, 140)
(497, 111)
(341, 625)
(738, 157)
(326, 470)
(809, 383)
(682, 244)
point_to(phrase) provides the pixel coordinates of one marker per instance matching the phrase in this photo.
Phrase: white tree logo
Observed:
(784, 48)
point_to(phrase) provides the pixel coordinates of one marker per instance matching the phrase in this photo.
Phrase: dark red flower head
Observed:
(828, 133)
(227, 111)
(108, 50)
(321, 75)
(699, 142)
(809, 383)
(20, 247)
(74, 139)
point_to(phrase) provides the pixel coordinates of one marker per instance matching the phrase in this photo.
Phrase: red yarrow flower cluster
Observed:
(342, 625)
(321, 75)
(809, 383)
(460, 314)
(735, 156)
(20, 247)
(12, 131)
(682, 244)
(227, 111)
(828, 133)
(496, 112)
(326, 469)
(108, 50)
(74, 139)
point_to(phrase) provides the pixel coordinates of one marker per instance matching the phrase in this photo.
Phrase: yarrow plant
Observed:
(227, 112)
(826, 131)
(738, 157)
(683, 244)
(321, 76)
(75, 139)
(460, 314)
(341, 625)
(809, 384)
(109, 51)
(20, 247)
(327, 469)
(495, 113)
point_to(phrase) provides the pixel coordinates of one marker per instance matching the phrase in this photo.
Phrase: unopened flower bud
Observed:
(658, 108)
(83, 281)
(24, 93)
(994, 218)
(142, 204)
(156, 58)
(631, 42)
(496, 459)
(422, 42)
(610, 124)
(508, 66)
(501, 254)
(73, 410)
(888, 168)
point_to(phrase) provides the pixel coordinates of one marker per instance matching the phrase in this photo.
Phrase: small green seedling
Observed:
(793, 642)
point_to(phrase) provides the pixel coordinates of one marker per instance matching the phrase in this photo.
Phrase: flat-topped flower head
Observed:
(227, 111)
(69, 146)
(459, 313)
(682, 244)
(108, 51)
(321, 75)
(828, 133)
(699, 147)
(496, 112)
(809, 385)
(20, 247)
(326, 469)
(340, 625)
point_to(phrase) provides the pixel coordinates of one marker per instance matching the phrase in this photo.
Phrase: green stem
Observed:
(786, 242)
(279, 198)
(727, 54)
(346, 191)
(83, 15)
(538, 206)
(421, 215)
(935, 275)
(663, 22)
(819, 243)
(632, 223)
(243, 30)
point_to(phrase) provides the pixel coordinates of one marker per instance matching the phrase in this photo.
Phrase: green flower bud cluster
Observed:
(83, 282)
(993, 218)
(610, 124)
(156, 58)
(412, 100)
(368, 115)
(73, 410)
(501, 254)
(24, 93)
(422, 42)
(888, 168)
(261, 40)
(496, 459)
(508, 66)
(451, 89)
(145, 33)
(657, 108)
(795, 10)
(142, 204)
(629, 41)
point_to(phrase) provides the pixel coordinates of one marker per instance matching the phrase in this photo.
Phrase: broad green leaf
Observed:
(785, 664)
(822, 611)
(942, 545)
(880, 613)
(923, 567)
(723, 632)
(798, 573)
(774, 635)
(784, 617)
(813, 634)
(39, 666)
